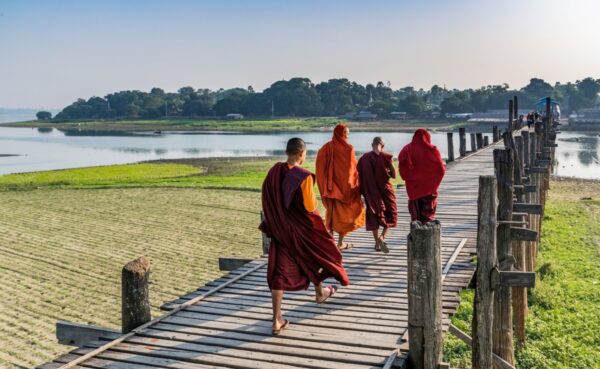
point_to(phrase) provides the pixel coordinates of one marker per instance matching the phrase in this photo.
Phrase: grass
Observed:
(215, 173)
(243, 125)
(563, 327)
(183, 124)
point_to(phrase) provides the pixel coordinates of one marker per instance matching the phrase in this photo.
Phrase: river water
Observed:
(45, 149)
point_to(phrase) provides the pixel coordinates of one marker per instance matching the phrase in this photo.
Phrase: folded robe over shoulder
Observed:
(375, 171)
(301, 250)
(337, 179)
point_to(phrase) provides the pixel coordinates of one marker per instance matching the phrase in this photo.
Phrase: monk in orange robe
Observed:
(337, 179)
(302, 251)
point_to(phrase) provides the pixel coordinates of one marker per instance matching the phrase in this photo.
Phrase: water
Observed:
(40, 149)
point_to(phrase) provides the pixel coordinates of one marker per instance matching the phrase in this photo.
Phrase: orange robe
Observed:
(337, 179)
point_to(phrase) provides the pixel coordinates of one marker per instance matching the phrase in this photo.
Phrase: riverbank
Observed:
(243, 125)
(563, 326)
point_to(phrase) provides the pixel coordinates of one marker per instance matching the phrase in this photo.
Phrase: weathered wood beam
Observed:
(498, 361)
(527, 208)
(512, 278)
(228, 263)
(523, 234)
(75, 334)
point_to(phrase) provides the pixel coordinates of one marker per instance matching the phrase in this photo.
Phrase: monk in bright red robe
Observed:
(375, 169)
(422, 168)
(302, 251)
(337, 179)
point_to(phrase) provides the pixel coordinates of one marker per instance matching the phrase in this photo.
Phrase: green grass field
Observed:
(190, 124)
(244, 125)
(563, 327)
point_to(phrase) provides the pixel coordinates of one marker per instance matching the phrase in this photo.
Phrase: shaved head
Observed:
(295, 146)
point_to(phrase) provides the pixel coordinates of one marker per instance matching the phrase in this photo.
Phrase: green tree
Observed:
(43, 115)
(589, 88)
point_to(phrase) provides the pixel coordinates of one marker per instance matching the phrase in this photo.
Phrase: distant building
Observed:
(586, 118)
(234, 116)
(399, 115)
(365, 115)
(459, 115)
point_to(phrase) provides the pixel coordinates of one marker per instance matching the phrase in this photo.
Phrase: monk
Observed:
(302, 251)
(375, 169)
(422, 169)
(337, 179)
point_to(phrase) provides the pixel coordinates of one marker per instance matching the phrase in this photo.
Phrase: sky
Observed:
(53, 52)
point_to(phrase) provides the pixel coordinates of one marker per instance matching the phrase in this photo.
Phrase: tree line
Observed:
(300, 97)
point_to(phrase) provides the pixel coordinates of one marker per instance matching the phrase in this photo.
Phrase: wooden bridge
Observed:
(363, 326)
(227, 322)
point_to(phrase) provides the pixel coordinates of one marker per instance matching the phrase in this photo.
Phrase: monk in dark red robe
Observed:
(302, 251)
(337, 179)
(422, 168)
(375, 169)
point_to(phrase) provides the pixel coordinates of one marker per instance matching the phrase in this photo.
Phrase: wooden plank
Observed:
(228, 263)
(501, 363)
(527, 208)
(453, 258)
(523, 234)
(76, 334)
(513, 278)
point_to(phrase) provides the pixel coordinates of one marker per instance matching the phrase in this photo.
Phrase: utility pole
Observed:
(166, 109)
(272, 109)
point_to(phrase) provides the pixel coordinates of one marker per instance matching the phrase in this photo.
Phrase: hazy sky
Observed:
(52, 52)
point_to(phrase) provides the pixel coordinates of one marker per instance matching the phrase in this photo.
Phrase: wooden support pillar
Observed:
(548, 122)
(450, 147)
(473, 143)
(462, 142)
(519, 250)
(516, 110)
(483, 314)
(503, 322)
(486, 140)
(526, 156)
(510, 126)
(266, 241)
(495, 134)
(479, 138)
(425, 295)
(135, 304)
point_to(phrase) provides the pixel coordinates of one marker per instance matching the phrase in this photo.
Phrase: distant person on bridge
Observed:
(337, 179)
(302, 250)
(375, 169)
(530, 119)
(422, 168)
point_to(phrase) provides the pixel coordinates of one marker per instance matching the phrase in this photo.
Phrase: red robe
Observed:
(421, 166)
(301, 250)
(375, 172)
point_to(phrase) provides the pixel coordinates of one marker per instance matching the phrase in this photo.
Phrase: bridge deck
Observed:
(361, 327)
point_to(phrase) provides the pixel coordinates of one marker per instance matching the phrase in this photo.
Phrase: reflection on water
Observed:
(577, 153)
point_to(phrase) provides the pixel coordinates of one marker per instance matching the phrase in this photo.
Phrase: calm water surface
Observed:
(577, 153)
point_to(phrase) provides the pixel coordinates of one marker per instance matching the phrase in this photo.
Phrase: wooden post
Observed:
(479, 138)
(450, 147)
(135, 304)
(510, 126)
(425, 295)
(486, 140)
(519, 294)
(462, 142)
(548, 122)
(526, 156)
(503, 322)
(495, 134)
(473, 143)
(516, 108)
(483, 314)
(266, 241)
